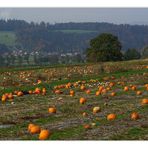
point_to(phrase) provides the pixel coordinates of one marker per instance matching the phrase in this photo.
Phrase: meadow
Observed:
(102, 101)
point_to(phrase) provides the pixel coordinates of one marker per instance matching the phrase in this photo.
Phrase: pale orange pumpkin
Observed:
(96, 109)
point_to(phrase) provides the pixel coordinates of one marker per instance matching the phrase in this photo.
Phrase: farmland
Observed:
(7, 37)
(83, 97)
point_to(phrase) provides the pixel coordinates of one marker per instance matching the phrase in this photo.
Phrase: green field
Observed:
(68, 122)
(7, 37)
(76, 31)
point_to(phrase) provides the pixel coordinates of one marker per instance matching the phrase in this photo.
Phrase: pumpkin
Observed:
(84, 114)
(20, 93)
(10, 96)
(82, 87)
(101, 88)
(72, 93)
(144, 101)
(113, 94)
(111, 117)
(37, 91)
(139, 92)
(58, 91)
(4, 98)
(134, 116)
(96, 109)
(52, 110)
(98, 93)
(35, 129)
(44, 91)
(44, 134)
(126, 88)
(133, 87)
(104, 91)
(111, 84)
(87, 126)
(108, 88)
(30, 92)
(30, 126)
(88, 91)
(82, 100)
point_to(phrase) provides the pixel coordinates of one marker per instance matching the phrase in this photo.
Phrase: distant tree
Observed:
(2, 61)
(145, 52)
(20, 59)
(132, 54)
(105, 47)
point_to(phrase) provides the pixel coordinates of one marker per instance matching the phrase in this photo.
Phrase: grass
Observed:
(67, 123)
(7, 37)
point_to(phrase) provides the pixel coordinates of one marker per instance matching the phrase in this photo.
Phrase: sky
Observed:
(59, 15)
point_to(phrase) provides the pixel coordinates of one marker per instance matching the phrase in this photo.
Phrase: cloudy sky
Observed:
(56, 15)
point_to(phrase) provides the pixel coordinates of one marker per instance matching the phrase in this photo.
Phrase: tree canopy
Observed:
(105, 47)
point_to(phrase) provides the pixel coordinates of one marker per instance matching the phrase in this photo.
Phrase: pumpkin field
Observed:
(103, 101)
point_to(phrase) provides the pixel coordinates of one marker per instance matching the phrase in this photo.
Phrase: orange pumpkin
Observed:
(30, 126)
(82, 87)
(98, 93)
(20, 93)
(108, 88)
(113, 94)
(52, 110)
(4, 98)
(111, 117)
(37, 91)
(134, 116)
(87, 126)
(88, 91)
(139, 92)
(133, 87)
(72, 93)
(35, 129)
(144, 101)
(82, 100)
(104, 91)
(44, 134)
(126, 88)
(10, 96)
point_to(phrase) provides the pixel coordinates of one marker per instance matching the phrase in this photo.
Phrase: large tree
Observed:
(105, 47)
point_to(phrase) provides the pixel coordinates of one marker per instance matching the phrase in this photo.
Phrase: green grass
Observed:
(8, 38)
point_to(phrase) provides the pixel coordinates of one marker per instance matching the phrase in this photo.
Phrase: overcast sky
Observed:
(56, 15)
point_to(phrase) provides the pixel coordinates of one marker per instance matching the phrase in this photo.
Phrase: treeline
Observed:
(51, 37)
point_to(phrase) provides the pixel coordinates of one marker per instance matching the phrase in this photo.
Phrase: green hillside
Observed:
(7, 37)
